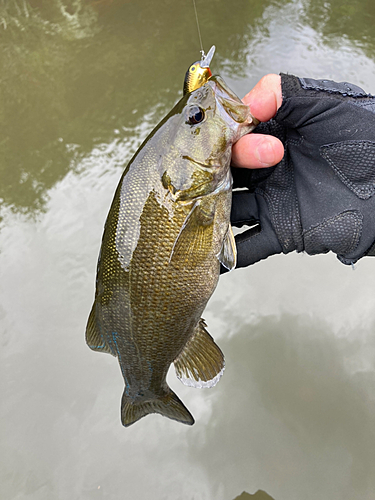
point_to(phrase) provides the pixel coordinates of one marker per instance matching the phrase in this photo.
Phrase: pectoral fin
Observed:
(195, 237)
(94, 338)
(201, 363)
(228, 254)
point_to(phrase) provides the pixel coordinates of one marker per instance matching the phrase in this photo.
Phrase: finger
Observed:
(265, 98)
(257, 151)
(258, 242)
(244, 210)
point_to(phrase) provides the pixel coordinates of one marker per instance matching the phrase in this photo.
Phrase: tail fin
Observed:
(168, 405)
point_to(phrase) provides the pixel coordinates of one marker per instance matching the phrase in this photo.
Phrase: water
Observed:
(82, 83)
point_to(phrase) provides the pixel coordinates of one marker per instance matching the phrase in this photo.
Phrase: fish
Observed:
(166, 234)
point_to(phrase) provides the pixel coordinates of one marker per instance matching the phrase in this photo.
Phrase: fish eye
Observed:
(193, 68)
(195, 115)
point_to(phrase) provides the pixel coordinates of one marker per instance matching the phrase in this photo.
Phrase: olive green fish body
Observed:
(166, 233)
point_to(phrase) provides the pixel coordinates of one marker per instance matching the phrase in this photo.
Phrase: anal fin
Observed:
(94, 339)
(201, 363)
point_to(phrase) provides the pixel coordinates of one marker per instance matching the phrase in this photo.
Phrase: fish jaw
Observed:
(235, 113)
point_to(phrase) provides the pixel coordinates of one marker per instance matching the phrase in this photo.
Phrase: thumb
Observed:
(265, 98)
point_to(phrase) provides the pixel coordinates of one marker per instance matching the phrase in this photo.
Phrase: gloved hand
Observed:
(320, 196)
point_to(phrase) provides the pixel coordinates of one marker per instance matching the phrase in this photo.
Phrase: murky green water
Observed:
(82, 83)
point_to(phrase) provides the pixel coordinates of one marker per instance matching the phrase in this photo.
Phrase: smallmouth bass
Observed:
(166, 233)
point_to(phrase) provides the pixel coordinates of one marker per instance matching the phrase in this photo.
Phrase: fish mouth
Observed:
(188, 195)
(185, 195)
(231, 105)
(203, 188)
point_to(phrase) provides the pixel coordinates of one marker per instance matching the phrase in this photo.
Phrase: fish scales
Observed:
(166, 233)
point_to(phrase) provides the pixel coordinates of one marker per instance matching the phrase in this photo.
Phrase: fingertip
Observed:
(257, 151)
(265, 98)
(269, 151)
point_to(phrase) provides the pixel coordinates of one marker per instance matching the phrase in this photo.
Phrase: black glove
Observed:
(320, 197)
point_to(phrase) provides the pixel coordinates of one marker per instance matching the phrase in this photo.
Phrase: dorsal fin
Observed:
(94, 338)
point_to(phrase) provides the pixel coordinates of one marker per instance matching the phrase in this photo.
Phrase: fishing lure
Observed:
(199, 72)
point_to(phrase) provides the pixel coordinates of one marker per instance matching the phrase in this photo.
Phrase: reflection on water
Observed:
(259, 495)
(298, 407)
(74, 72)
(339, 19)
(83, 82)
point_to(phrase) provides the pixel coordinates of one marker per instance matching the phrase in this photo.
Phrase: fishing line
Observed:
(199, 31)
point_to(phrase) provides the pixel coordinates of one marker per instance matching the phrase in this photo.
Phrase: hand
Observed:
(320, 195)
(257, 150)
